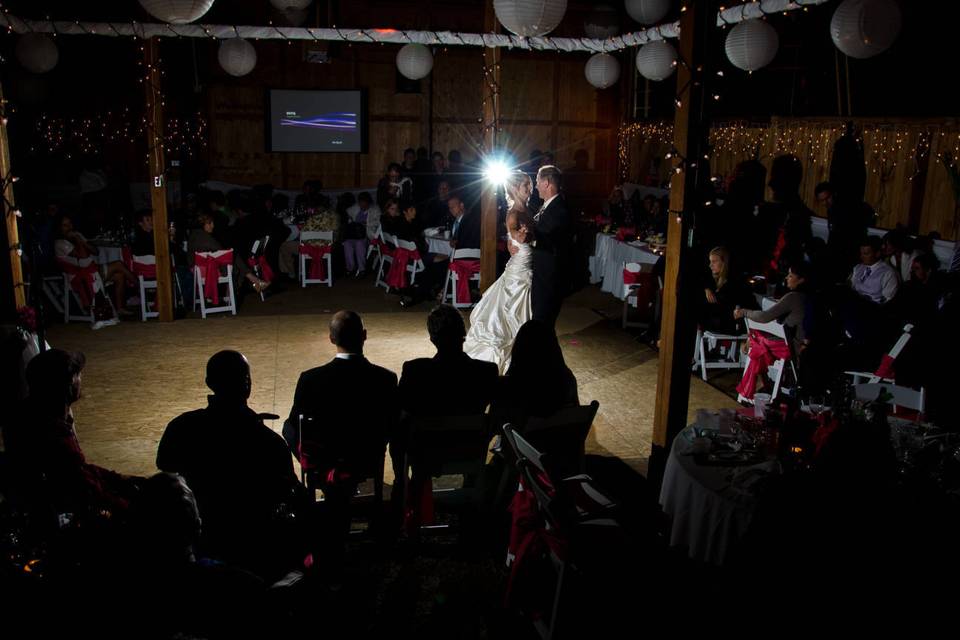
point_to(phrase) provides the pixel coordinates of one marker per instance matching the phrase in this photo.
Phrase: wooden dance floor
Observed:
(140, 375)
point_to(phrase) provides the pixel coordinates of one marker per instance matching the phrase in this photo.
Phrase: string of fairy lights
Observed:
(885, 146)
(90, 136)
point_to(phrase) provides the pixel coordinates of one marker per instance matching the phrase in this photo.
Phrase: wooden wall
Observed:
(904, 187)
(546, 104)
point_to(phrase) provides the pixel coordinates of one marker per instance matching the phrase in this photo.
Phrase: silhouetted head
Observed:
(53, 378)
(347, 332)
(228, 375)
(536, 348)
(446, 328)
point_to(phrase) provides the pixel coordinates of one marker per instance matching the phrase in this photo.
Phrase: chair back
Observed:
(902, 396)
(388, 238)
(562, 437)
(405, 244)
(449, 444)
(259, 246)
(773, 327)
(466, 254)
(316, 453)
(316, 235)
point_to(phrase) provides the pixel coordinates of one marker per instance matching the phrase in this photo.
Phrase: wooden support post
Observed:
(9, 208)
(158, 179)
(678, 324)
(490, 89)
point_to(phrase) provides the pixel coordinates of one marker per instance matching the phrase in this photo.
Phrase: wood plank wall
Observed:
(904, 189)
(547, 104)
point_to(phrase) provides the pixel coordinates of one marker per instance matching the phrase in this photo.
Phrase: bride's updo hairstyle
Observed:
(515, 180)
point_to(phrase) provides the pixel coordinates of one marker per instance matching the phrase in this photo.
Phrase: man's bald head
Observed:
(347, 332)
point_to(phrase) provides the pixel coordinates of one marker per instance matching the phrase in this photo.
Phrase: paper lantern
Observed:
(37, 52)
(294, 17)
(177, 11)
(529, 18)
(864, 28)
(414, 61)
(237, 56)
(752, 44)
(602, 23)
(657, 60)
(284, 5)
(647, 11)
(602, 70)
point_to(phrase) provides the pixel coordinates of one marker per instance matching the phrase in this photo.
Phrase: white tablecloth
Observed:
(606, 264)
(708, 513)
(438, 244)
(106, 255)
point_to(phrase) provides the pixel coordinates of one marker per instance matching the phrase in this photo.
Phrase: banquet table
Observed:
(710, 506)
(437, 242)
(606, 265)
(107, 254)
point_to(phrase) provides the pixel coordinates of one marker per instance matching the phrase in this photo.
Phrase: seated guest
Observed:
(204, 239)
(239, 470)
(724, 292)
(438, 208)
(466, 225)
(898, 253)
(615, 207)
(429, 282)
(73, 251)
(391, 219)
(52, 477)
(394, 185)
(367, 213)
(449, 384)
(921, 297)
(790, 310)
(355, 225)
(323, 218)
(873, 279)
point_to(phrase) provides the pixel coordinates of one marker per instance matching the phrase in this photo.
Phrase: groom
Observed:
(551, 248)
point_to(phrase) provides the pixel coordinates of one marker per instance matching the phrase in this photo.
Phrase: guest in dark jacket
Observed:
(204, 240)
(724, 292)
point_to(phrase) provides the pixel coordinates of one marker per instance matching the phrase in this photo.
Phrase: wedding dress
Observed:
(502, 310)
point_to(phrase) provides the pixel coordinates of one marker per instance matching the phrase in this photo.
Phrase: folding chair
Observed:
(386, 258)
(230, 300)
(641, 293)
(256, 253)
(886, 365)
(775, 370)
(373, 247)
(700, 352)
(305, 279)
(912, 399)
(84, 315)
(414, 266)
(145, 267)
(450, 286)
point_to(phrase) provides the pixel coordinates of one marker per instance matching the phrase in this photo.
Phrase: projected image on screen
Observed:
(316, 121)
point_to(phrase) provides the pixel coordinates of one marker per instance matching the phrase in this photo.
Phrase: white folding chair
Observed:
(229, 301)
(775, 370)
(390, 243)
(859, 376)
(706, 339)
(450, 286)
(414, 266)
(257, 250)
(912, 399)
(85, 315)
(631, 295)
(373, 248)
(53, 289)
(305, 279)
(146, 283)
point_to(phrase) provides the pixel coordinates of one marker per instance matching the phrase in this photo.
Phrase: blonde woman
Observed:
(723, 293)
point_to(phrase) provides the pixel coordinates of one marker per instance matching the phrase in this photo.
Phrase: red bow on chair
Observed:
(464, 269)
(210, 266)
(148, 271)
(81, 279)
(885, 370)
(764, 352)
(318, 266)
(261, 261)
(626, 232)
(419, 507)
(398, 269)
(631, 277)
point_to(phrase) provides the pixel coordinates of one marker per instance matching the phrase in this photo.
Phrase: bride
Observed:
(506, 305)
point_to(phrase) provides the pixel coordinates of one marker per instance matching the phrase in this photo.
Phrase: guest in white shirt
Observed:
(897, 253)
(363, 219)
(873, 278)
(72, 248)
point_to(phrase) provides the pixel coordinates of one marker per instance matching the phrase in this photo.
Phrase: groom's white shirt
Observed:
(546, 204)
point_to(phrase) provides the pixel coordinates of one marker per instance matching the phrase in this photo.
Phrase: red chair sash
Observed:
(396, 277)
(601, 221)
(316, 252)
(631, 277)
(885, 370)
(764, 352)
(464, 269)
(777, 250)
(210, 266)
(148, 271)
(419, 507)
(81, 279)
(127, 257)
(261, 261)
(626, 232)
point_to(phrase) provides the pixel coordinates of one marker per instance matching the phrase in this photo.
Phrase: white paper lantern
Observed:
(752, 44)
(237, 56)
(648, 11)
(602, 23)
(414, 61)
(177, 11)
(294, 17)
(283, 5)
(37, 52)
(529, 18)
(602, 70)
(864, 28)
(657, 60)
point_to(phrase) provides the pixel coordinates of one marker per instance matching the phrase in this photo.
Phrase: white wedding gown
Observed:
(502, 310)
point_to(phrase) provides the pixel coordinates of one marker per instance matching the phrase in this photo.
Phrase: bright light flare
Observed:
(496, 172)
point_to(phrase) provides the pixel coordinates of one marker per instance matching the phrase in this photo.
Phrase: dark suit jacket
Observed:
(468, 233)
(453, 385)
(551, 257)
(354, 407)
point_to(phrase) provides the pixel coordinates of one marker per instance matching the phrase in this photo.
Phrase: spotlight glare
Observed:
(496, 172)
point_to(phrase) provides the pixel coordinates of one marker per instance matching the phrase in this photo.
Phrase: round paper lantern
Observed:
(177, 11)
(864, 28)
(237, 56)
(603, 22)
(529, 18)
(284, 5)
(602, 70)
(752, 44)
(294, 17)
(414, 61)
(657, 60)
(37, 52)
(648, 11)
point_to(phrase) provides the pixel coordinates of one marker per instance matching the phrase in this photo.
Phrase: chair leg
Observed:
(329, 270)
(143, 299)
